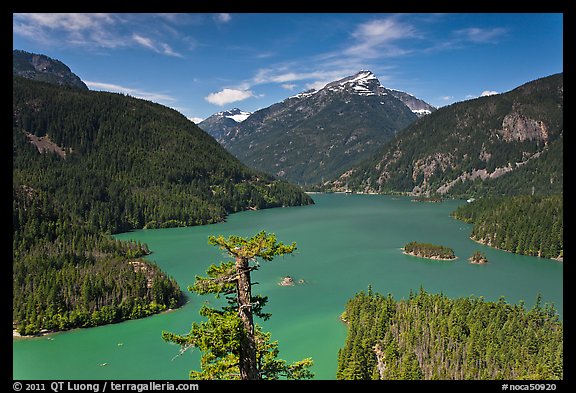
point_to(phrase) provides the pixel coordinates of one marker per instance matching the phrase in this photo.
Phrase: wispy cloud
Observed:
(78, 29)
(481, 36)
(159, 47)
(282, 76)
(223, 18)
(137, 93)
(227, 96)
(91, 31)
(379, 37)
(367, 46)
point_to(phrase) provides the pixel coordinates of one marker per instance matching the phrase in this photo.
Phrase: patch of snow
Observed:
(240, 117)
(422, 111)
(362, 75)
(305, 94)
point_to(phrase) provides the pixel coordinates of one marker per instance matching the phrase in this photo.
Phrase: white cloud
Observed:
(156, 47)
(481, 36)
(226, 96)
(485, 93)
(78, 29)
(195, 119)
(316, 85)
(147, 42)
(446, 98)
(320, 77)
(288, 86)
(69, 21)
(92, 31)
(137, 93)
(223, 18)
(376, 38)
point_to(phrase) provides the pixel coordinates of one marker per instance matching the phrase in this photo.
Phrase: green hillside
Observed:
(89, 164)
(509, 143)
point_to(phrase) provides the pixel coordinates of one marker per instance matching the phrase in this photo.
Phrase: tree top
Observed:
(262, 245)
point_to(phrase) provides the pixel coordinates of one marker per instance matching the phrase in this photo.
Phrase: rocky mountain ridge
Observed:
(469, 147)
(44, 69)
(316, 134)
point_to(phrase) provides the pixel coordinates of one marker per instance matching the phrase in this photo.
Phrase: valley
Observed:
(115, 199)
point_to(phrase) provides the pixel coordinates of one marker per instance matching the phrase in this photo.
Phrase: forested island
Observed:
(430, 251)
(429, 336)
(524, 224)
(478, 258)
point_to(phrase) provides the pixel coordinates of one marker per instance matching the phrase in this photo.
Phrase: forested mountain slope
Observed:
(317, 134)
(509, 143)
(88, 164)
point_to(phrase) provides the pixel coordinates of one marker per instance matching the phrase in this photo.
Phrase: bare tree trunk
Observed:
(248, 365)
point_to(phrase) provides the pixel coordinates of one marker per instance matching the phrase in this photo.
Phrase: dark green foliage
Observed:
(428, 250)
(233, 346)
(67, 274)
(120, 163)
(433, 337)
(528, 225)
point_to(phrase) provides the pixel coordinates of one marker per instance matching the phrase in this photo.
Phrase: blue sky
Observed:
(200, 64)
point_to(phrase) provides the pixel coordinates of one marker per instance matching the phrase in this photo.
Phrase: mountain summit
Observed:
(220, 123)
(509, 143)
(317, 134)
(44, 69)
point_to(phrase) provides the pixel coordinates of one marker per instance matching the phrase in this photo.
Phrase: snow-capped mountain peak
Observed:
(235, 114)
(363, 83)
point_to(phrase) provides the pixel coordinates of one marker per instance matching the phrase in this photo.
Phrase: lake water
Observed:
(345, 243)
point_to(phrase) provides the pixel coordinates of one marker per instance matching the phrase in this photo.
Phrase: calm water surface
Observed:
(345, 243)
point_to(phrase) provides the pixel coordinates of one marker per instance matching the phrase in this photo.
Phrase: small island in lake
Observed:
(478, 258)
(288, 281)
(430, 251)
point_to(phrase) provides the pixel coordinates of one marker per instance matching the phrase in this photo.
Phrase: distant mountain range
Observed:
(315, 135)
(44, 69)
(510, 143)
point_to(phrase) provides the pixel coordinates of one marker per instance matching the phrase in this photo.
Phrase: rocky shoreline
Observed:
(288, 281)
(425, 257)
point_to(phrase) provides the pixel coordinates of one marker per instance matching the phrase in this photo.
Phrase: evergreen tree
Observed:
(234, 348)
(433, 337)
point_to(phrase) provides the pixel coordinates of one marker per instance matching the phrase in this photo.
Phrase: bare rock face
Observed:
(516, 127)
(45, 69)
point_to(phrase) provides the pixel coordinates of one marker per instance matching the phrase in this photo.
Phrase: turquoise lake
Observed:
(345, 243)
